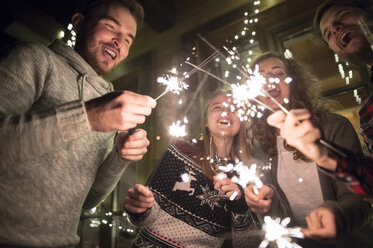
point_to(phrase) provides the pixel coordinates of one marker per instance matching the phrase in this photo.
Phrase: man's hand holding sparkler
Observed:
(139, 199)
(225, 186)
(259, 203)
(321, 224)
(299, 132)
(118, 111)
(132, 147)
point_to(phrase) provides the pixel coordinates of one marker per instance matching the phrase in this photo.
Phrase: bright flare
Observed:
(177, 130)
(245, 175)
(277, 231)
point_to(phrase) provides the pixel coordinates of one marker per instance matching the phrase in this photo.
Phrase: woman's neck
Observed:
(223, 146)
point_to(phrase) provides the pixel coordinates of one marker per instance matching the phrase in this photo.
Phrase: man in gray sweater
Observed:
(59, 150)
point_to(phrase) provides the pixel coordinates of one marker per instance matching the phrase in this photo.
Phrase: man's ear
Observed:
(77, 21)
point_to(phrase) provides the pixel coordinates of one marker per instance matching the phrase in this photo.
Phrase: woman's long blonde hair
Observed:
(240, 148)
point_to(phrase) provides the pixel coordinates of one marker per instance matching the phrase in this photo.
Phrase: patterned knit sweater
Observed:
(189, 212)
(50, 162)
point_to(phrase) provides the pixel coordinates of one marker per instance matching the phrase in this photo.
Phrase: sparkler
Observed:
(254, 83)
(177, 129)
(243, 175)
(242, 93)
(174, 83)
(278, 231)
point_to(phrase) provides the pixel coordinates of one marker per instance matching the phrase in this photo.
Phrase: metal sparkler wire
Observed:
(203, 63)
(242, 70)
(208, 73)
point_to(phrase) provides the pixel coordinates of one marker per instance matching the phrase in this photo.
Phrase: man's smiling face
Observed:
(107, 37)
(340, 29)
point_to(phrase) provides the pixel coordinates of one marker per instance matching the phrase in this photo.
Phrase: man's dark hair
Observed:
(134, 8)
(361, 4)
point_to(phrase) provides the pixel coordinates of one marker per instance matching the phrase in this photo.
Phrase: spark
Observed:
(176, 84)
(243, 94)
(173, 84)
(243, 175)
(252, 88)
(277, 231)
(185, 177)
(233, 196)
(177, 129)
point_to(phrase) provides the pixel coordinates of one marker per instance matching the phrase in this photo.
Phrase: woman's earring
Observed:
(211, 156)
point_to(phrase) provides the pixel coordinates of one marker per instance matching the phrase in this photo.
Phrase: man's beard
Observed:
(363, 56)
(89, 51)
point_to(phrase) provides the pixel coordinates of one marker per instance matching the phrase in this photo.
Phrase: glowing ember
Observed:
(245, 95)
(277, 231)
(244, 175)
(173, 84)
(178, 130)
(288, 80)
(250, 89)
(185, 177)
(233, 196)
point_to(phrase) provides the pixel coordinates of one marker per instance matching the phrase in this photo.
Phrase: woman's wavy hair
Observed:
(303, 94)
(240, 147)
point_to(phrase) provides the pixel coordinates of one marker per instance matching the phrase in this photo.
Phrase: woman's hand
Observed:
(321, 224)
(226, 187)
(298, 131)
(259, 203)
(138, 199)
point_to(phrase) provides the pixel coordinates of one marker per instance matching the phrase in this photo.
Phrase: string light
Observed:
(99, 218)
(347, 77)
(70, 42)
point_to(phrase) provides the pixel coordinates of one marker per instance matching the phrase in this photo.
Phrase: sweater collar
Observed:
(80, 65)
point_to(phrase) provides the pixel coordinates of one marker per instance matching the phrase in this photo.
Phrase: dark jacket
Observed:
(353, 215)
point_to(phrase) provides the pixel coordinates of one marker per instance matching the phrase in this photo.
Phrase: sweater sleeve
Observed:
(25, 134)
(356, 171)
(147, 217)
(245, 229)
(107, 177)
(350, 210)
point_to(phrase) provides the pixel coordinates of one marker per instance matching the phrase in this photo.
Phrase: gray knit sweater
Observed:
(51, 164)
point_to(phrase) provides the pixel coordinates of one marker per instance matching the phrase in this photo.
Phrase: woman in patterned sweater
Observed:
(184, 203)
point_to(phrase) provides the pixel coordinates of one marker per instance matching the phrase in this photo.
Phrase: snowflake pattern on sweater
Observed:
(196, 215)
